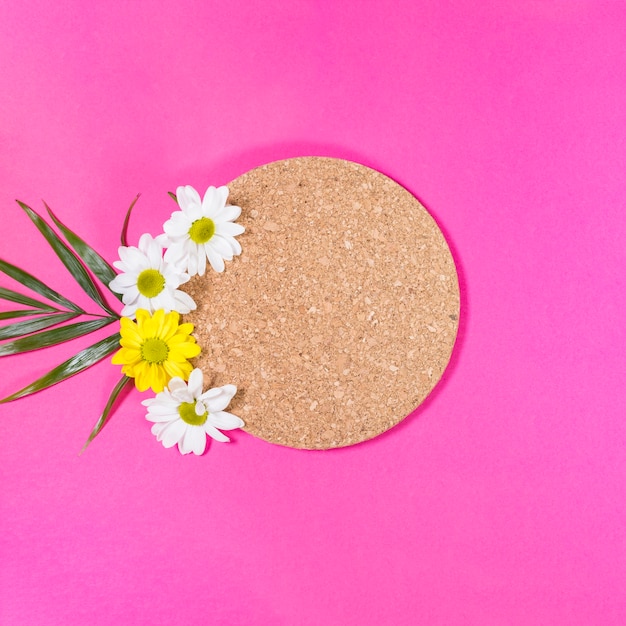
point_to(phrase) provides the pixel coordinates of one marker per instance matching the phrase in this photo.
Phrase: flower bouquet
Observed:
(151, 344)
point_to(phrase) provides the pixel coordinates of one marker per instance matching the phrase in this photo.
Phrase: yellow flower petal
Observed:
(131, 342)
(149, 328)
(174, 369)
(186, 328)
(187, 350)
(118, 358)
(142, 376)
(127, 369)
(158, 377)
(170, 328)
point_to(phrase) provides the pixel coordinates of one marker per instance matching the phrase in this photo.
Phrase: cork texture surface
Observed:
(340, 315)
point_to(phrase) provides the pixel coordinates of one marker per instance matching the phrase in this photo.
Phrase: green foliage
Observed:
(9, 315)
(53, 337)
(14, 296)
(47, 324)
(69, 259)
(104, 417)
(36, 285)
(100, 268)
(79, 362)
(18, 329)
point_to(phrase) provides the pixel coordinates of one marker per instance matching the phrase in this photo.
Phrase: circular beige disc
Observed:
(341, 313)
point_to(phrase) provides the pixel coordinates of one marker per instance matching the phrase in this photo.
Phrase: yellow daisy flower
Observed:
(155, 349)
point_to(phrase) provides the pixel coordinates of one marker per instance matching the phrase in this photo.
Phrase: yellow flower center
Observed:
(202, 230)
(150, 283)
(154, 350)
(187, 412)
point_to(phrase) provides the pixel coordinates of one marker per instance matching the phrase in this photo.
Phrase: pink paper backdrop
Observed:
(502, 499)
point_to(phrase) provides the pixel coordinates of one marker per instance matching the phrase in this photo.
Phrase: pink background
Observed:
(502, 500)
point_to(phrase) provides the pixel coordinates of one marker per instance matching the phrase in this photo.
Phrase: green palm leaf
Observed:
(9, 315)
(68, 258)
(100, 268)
(30, 326)
(103, 419)
(81, 361)
(127, 219)
(32, 283)
(20, 298)
(53, 337)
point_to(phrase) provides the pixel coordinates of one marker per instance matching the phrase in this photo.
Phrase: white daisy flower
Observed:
(147, 281)
(202, 230)
(183, 415)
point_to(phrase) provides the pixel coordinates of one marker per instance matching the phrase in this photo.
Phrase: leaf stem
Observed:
(123, 237)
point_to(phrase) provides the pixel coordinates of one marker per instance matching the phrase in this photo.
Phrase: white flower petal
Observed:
(176, 231)
(212, 432)
(161, 408)
(200, 258)
(195, 439)
(196, 378)
(178, 225)
(187, 442)
(221, 246)
(176, 383)
(171, 435)
(192, 261)
(163, 397)
(162, 240)
(214, 200)
(154, 252)
(144, 303)
(225, 421)
(221, 194)
(176, 254)
(144, 242)
(229, 228)
(234, 244)
(130, 256)
(182, 395)
(162, 301)
(173, 276)
(179, 390)
(194, 212)
(211, 393)
(130, 310)
(216, 261)
(187, 195)
(122, 282)
(182, 446)
(221, 401)
(165, 417)
(228, 214)
(130, 295)
(158, 428)
(184, 302)
(230, 390)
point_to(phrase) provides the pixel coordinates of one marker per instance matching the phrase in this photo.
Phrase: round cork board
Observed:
(340, 315)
